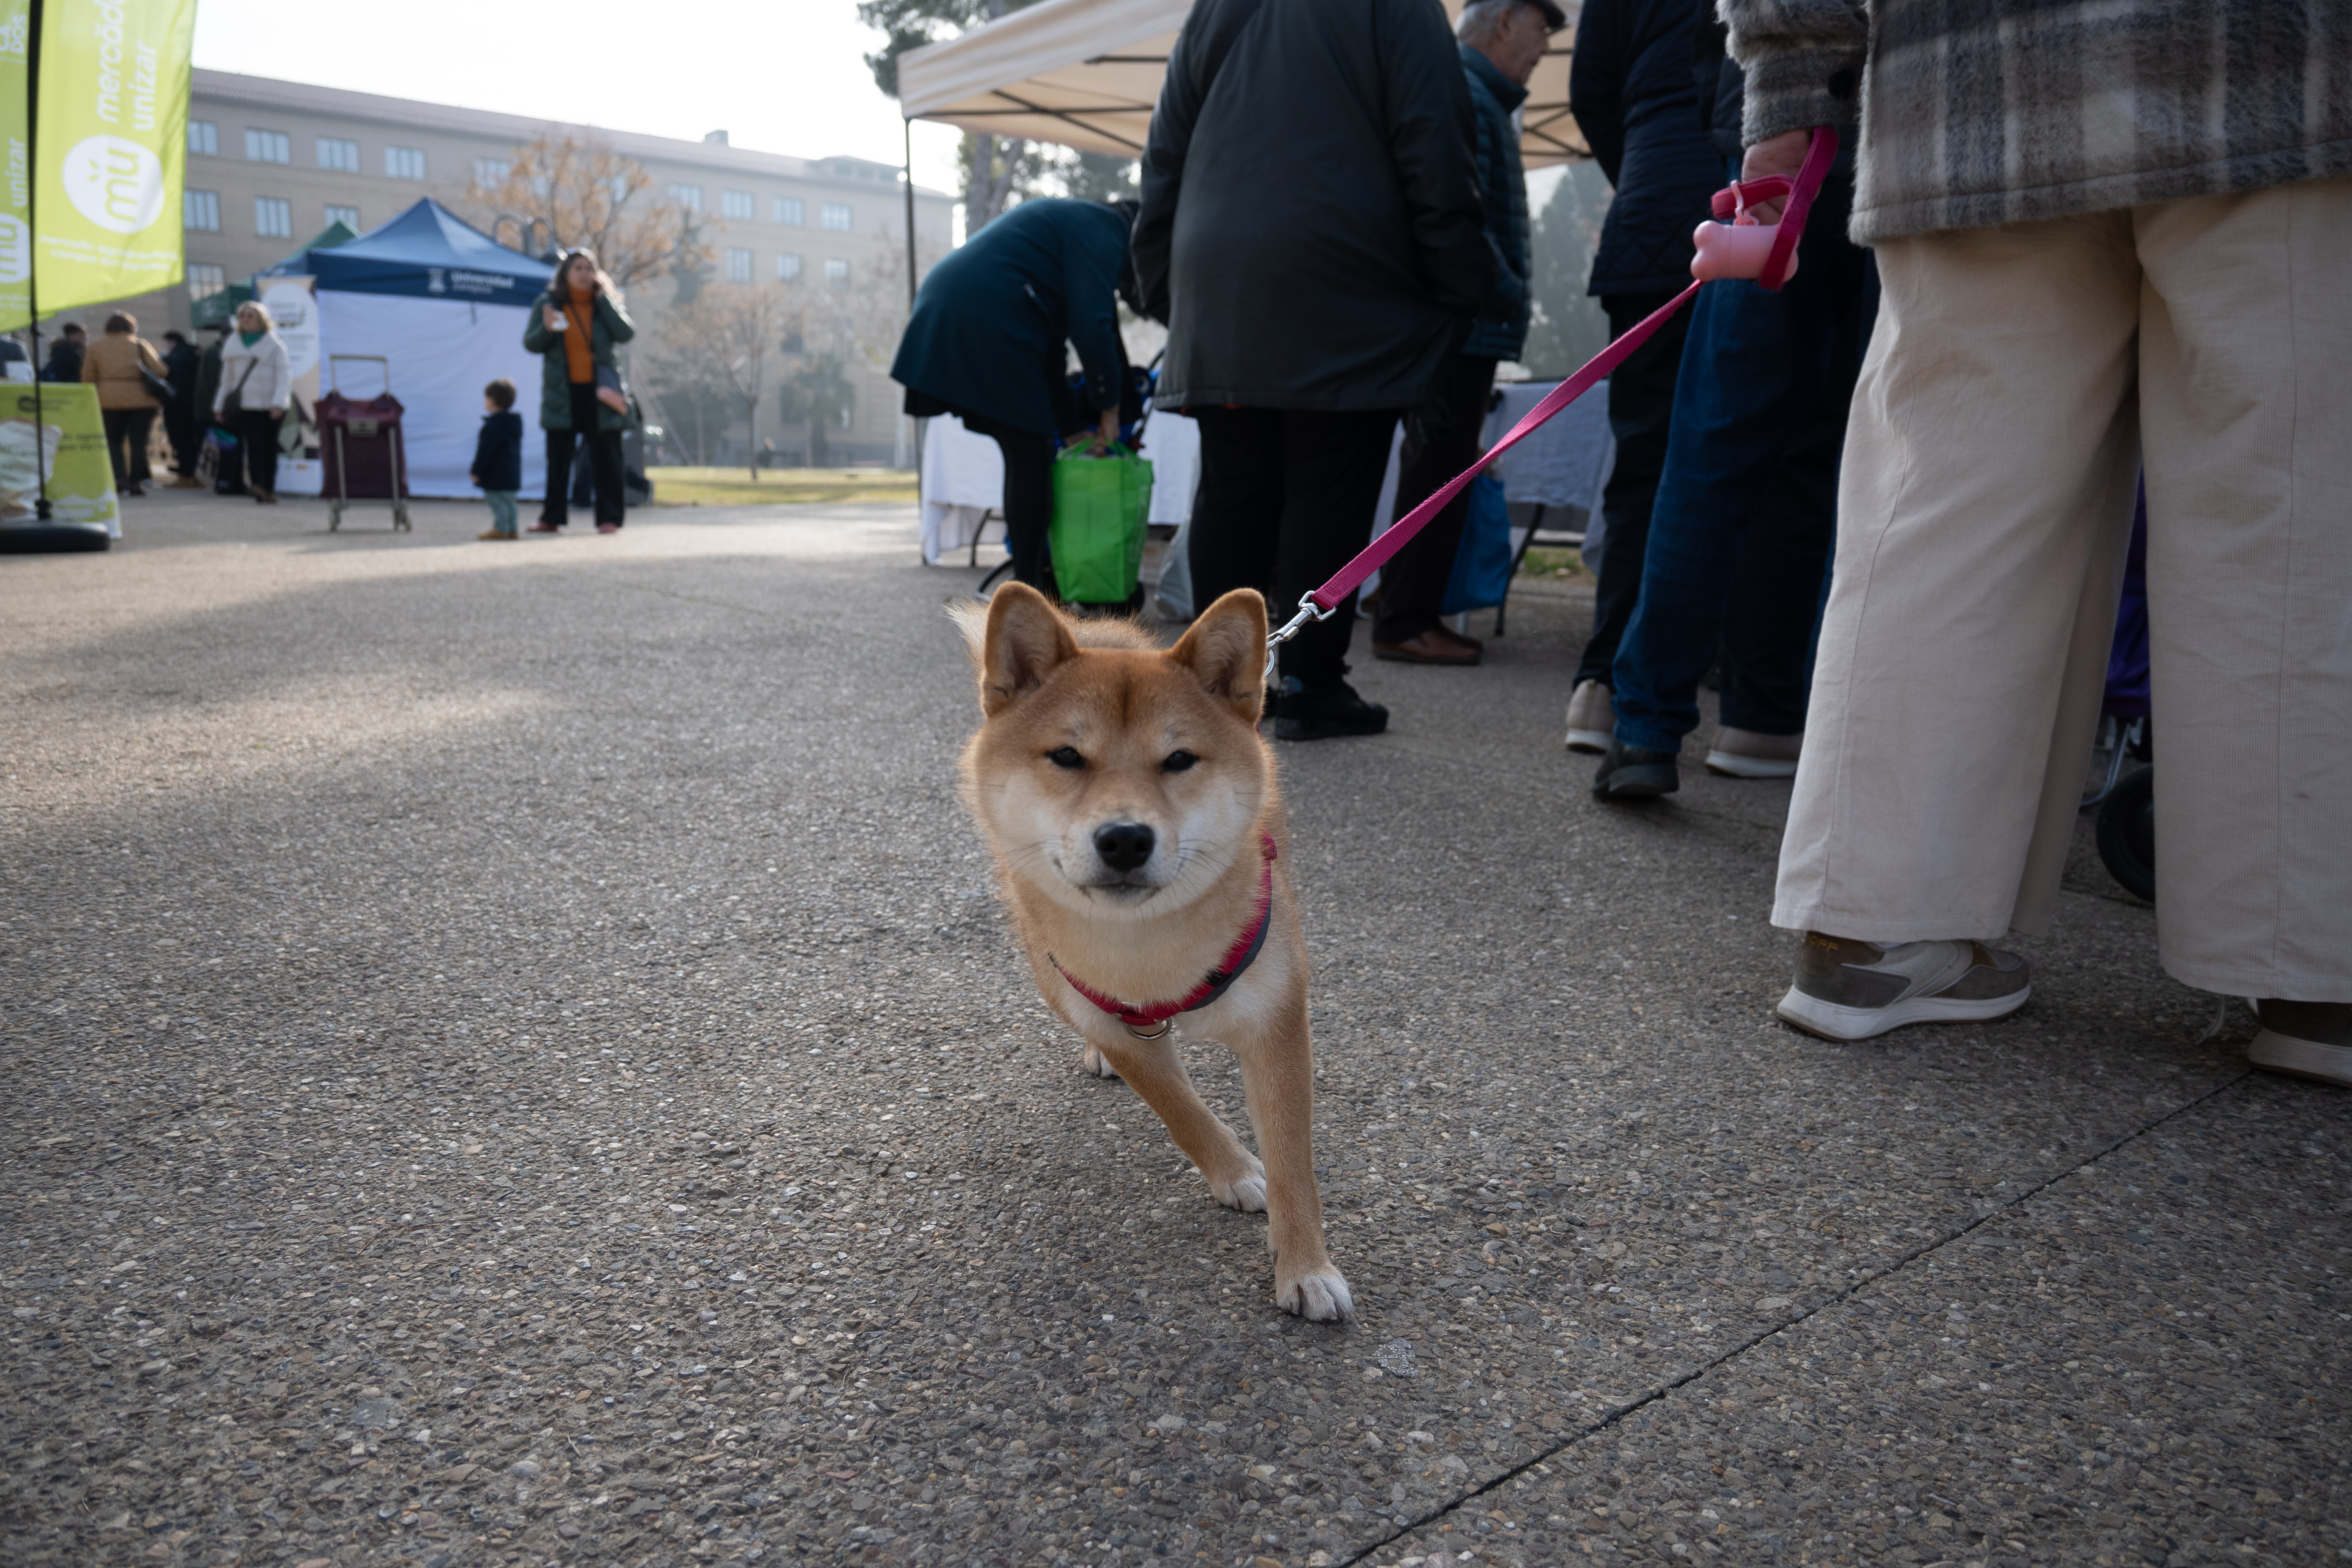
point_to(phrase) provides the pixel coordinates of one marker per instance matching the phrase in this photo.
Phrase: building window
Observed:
(204, 138)
(404, 162)
(489, 173)
(836, 273)
(738, 266)
(273, 217)
(200, 209)
(736, 205)
(205, 280)
(836, 217)
(688, 196)
(335, 152)
(268, 147)
(789, 210)
(347, 216)
(788, 269)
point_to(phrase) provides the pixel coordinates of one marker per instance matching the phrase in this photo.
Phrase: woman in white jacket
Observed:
(254, 387)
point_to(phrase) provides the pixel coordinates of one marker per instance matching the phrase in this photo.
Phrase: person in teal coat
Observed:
(576, 328)
(987, 343)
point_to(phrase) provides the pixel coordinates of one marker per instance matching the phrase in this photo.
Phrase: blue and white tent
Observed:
(445, 304)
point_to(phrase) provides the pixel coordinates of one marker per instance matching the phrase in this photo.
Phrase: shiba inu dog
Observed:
(1132, 810)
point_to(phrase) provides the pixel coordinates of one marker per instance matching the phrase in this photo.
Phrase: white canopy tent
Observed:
(1085, 74)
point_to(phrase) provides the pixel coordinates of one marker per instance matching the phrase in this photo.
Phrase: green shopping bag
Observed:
(1097, 534)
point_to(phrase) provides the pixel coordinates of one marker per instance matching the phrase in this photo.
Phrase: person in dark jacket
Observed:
(1312, 235)
(1745, 513)
(1631, 86)
(989, 343)
(180, 363)
(498, 457)
(576, 327)
(65, 353)
(1502, 41)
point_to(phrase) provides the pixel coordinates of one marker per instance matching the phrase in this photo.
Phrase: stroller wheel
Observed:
(2127, 832)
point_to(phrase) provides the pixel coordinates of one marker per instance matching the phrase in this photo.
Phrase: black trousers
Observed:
(603, 460)
(257, 443)
(128, 427)
(1640, 413)
(1028, 496)
(187, 440)
(1285, 498)
(1412, 584)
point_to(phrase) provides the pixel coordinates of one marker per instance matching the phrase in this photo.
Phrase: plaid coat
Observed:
(1987, 111)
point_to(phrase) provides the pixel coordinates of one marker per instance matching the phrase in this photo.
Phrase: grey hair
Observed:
(1481, 19)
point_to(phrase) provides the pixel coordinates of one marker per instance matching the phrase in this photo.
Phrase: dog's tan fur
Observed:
(1103, 691)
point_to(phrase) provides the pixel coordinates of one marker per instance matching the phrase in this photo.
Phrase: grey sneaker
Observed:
(1629, 772)
(1591, 718)
(1848, 990)
(1750, 755)
(2308, 1039)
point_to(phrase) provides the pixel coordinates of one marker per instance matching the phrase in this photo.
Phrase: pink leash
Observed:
(1738, 248)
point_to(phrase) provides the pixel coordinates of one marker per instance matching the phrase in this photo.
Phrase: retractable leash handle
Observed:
(1742, 247)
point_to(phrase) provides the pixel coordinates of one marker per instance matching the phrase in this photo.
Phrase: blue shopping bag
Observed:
(1482, 566)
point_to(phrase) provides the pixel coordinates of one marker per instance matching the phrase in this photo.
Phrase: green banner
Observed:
(73, 439)
(110, 150)
(15, 165)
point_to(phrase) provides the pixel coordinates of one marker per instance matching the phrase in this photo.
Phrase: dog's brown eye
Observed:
(1066, 757)
(1177, 761)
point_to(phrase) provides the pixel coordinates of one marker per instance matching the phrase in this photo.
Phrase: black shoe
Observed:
(1629, 772)
(1301, 714)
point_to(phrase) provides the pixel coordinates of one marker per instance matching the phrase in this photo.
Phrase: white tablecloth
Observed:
(962, 482)
(963, 479)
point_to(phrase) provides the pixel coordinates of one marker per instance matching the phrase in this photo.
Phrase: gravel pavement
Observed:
(512, 1057)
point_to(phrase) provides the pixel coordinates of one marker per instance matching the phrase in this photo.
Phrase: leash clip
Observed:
(1309, 611)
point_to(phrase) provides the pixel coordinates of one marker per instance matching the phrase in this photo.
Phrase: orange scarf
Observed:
(579, 348)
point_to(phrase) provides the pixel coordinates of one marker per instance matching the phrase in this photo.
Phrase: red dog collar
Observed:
(1150, 1022)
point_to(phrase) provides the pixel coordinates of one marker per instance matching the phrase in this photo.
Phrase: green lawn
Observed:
(735, 486)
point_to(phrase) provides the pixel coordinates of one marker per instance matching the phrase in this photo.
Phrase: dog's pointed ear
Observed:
(1023, 642)
(1226, 650)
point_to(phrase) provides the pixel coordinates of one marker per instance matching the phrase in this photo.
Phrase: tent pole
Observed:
(33, 255)
(908, 130)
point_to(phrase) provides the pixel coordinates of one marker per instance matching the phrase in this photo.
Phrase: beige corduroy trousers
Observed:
(2018, 380)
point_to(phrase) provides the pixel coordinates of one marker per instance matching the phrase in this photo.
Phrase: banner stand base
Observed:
(52, 538)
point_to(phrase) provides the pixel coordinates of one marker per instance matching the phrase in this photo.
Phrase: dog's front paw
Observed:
(1245, 1191)
(1096, 1065)
(1318, 1295)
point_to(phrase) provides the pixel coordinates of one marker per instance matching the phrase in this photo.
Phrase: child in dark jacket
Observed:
(498, 457)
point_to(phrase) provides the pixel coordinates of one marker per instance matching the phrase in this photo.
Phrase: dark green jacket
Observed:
(611, 328)
(1501, 329)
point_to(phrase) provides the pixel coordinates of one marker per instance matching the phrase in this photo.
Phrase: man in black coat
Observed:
(181, 362)
(1312, 234)
(1631, 85)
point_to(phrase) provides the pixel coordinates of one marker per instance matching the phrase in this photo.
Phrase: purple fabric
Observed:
(2127, 660)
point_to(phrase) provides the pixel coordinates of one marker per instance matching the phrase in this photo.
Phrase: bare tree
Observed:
(588, 195)
(724, 340)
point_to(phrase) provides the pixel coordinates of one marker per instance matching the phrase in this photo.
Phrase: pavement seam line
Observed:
(1615, 1416)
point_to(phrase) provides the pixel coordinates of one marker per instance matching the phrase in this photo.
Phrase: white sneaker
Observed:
(2308, 1039)
(1746, 754)
(1591, 718)
(1848, 990)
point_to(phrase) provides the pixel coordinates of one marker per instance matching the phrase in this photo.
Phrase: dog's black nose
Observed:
(1124, 846)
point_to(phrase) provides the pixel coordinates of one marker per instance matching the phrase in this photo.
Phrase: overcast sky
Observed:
(780, 76)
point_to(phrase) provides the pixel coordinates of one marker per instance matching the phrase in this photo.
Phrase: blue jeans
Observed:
(1746, 517)
(502, 510)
